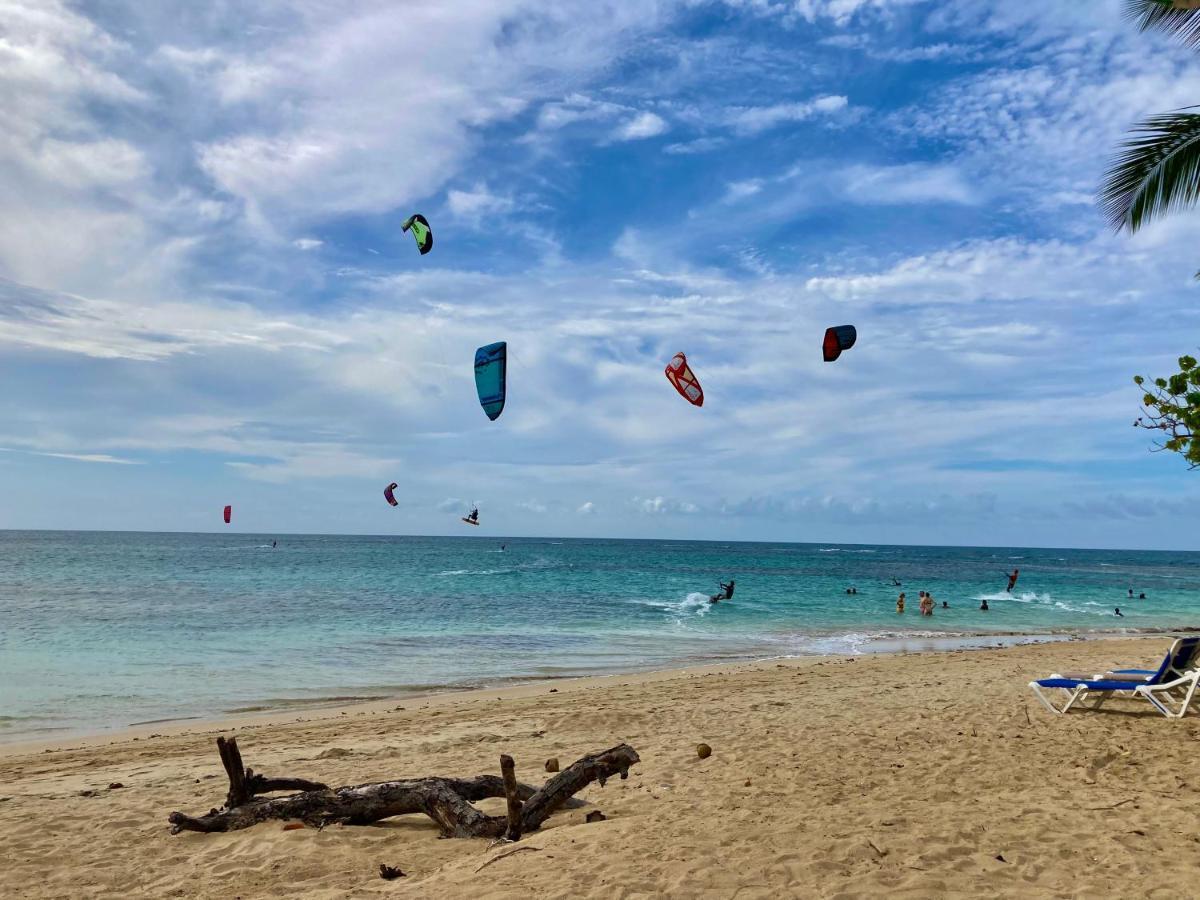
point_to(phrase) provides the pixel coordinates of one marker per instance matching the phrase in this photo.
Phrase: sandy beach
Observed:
(916, 775)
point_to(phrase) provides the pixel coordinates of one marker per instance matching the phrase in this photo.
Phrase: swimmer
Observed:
(1117, 612)
(983, 607)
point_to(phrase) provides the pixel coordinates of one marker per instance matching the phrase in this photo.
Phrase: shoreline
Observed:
(318, 710)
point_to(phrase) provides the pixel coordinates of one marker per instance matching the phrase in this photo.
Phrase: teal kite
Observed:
(419, 226)
(491, 363)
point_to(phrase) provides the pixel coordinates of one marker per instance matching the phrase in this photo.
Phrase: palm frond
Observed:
(1180, 19)
(1158, 171)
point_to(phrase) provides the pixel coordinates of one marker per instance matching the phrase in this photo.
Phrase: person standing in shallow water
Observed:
(983, 607)
(900, 603)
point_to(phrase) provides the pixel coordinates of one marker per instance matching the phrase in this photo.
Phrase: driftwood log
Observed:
(448, 801)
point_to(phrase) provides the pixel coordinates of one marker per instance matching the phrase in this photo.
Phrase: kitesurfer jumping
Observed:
(726, 592)
(474, 514)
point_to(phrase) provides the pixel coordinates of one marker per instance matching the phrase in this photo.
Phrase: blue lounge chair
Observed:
(1169, 687)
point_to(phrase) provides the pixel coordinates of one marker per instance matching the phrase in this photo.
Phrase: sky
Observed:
(206, 296)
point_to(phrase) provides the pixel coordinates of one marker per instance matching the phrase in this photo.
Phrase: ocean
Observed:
(101, 630)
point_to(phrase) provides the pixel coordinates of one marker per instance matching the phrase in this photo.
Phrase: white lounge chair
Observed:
(1169, 688)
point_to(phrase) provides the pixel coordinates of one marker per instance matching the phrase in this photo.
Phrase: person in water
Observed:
(1131, 593)
(983, 606)
(726, 590)
(1117, 612)
(1142, 595)
(1012, 580)
(945, 605)
(273, 543)
(900, 603)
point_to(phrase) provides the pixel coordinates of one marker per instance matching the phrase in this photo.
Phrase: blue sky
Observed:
(205, 296)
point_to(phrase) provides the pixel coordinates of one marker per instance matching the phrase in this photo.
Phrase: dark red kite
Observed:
(836, 340)
(679, 373)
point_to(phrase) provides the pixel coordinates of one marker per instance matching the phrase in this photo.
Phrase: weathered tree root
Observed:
(448, 801)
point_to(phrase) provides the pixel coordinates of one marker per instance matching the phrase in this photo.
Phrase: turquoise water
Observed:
(101, 630)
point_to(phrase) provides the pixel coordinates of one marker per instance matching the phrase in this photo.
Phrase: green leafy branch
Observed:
(1171, 406)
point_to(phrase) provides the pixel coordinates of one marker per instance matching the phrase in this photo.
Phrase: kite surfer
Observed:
(726, 592)
(274, 544)
(1012, 580)
(473, 517)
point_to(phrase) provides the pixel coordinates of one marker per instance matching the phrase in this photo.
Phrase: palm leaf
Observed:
(1157, 172)
(1180, 19)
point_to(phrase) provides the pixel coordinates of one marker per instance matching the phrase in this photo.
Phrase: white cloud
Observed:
(989, 270)
(586, 509)
(579, 108)
(95, 165)
(78, 457)
(842, 11)
(307, 243)
(698, 145)
(1045, 129)
(263, 129)
(328, 461)
(473, 205)
(740, 190)
(658, 506)
(903, 184)
(355, 111)
(643, 125)
(750, 120)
